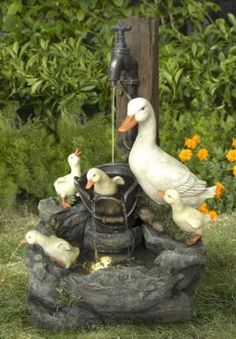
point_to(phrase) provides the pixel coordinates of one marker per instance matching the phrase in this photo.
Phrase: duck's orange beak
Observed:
(128, 123)
(161, 193)
(23, 241)
(77, 152)
(89, 184)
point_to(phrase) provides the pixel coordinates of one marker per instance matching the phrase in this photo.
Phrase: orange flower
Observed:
(234, 143)
(213, 215)
(190, 143)
(219, 190)
(202, 154)
(196, 138)
(203, 208)
(231, 155)
(234, 171)
(185, 155)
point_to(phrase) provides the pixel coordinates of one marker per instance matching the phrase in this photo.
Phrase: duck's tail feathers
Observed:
(210, 192)
(119, 180)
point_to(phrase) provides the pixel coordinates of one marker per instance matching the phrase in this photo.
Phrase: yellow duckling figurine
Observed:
(186, 217)
(103, 184)
(59, 250)
(65, 186)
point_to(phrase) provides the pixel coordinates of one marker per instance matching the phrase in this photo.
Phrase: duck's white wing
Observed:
(62, 180)
(194, 218)
(172, 174)
(61, 243)
(118, 180)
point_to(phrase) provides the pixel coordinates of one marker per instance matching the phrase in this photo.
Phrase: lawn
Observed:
(215, 301)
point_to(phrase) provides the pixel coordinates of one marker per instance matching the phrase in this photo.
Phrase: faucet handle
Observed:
(121, 28)
(120, 36)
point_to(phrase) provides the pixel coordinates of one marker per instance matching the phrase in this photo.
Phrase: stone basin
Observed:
(155, 284)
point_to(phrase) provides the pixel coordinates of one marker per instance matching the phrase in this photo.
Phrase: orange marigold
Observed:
(213, 215)
(185, 155)
(234, 143)
(203, 208)
(231, 155)
(234, 171)
(219, 190)
(190, 143)
(202, 154)
(196, 138)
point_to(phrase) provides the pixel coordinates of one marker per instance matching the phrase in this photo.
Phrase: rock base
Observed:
(155, 284)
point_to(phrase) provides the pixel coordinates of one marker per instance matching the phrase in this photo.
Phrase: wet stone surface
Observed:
(152, 280)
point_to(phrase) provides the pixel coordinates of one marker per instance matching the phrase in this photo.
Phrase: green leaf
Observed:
(178, 75)
(15, 47)
(31, 80)
(14, 7)
(194, 49)
(80, 15)
(36, 86)
(232, 19)
(118, 3)
(87, 88)
(167, 76)
(233, 92)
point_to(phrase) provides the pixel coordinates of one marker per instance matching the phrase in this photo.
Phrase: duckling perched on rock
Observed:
(186, 217)
(154, 169)
(65, 186)
(59, 250)
(103, 184)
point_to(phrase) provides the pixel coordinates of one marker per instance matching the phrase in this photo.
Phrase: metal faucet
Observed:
(124, 68)
(123, 65)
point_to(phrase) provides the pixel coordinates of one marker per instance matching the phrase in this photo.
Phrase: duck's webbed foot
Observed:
(194, 240)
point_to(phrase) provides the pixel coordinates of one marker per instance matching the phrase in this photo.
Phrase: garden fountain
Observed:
(143, 274)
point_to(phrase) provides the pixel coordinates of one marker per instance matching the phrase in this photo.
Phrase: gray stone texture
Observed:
(161, 291)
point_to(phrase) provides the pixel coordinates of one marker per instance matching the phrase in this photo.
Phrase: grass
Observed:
(215, 301)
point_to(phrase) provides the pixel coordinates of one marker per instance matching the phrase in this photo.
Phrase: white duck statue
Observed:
(155, 169)
(59, 250)
(65, 186)
(103, 184)
(186, 217)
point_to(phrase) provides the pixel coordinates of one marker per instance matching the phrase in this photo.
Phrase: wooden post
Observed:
(142, 42)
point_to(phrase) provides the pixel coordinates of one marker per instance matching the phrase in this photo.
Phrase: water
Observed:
(141, 256)
(113, 96)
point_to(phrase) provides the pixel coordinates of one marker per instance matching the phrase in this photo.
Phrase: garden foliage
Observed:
(55, 94)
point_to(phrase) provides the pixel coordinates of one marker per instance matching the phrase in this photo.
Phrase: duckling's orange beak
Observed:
(23, 241)
(77, 152)
(89, 184)
(128, 123)
(161, 193)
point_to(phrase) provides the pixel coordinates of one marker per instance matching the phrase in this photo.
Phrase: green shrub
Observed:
(55, 57)
(32, 160)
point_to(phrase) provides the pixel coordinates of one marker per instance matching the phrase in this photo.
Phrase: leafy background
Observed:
(55, 94)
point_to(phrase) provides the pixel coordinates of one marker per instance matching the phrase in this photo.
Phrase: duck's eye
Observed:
(142, 109)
